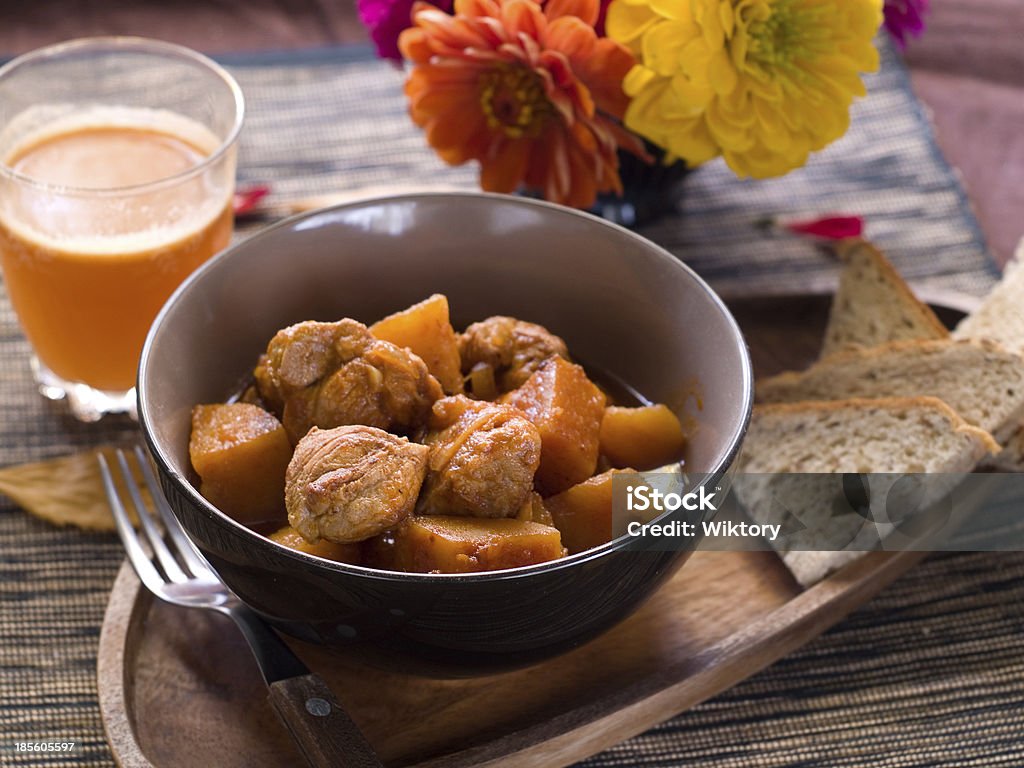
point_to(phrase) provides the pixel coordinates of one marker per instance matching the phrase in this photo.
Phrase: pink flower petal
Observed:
(385, 20)
(247, 198)
(832, 227)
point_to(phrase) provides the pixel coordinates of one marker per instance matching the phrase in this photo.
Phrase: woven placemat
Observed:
(318, 126)
(929, 673)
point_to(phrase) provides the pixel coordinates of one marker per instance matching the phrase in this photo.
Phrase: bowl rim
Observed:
(186, 488)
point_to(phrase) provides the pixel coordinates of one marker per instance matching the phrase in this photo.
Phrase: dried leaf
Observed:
(67, 490)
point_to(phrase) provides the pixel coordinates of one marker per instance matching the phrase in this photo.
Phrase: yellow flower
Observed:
(761, 82)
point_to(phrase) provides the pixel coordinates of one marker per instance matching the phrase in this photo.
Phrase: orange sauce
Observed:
(87, 274)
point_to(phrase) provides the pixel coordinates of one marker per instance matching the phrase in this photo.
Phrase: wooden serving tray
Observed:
(179, 687)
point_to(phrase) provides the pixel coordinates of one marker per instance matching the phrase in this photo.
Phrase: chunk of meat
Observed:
(482, 459)
(513, 348)
(334, 374)
(350, 483)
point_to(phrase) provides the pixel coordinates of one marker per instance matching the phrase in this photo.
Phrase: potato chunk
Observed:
(641, 438)
(566, 407)
(533, 509)
(426, 331)
(343, 553)
(583, 514)
(240, 453)
(463, 545)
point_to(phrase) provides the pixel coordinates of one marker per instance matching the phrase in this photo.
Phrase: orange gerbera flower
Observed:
(529, 91)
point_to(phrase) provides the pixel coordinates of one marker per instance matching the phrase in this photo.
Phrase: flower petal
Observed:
(627, 23)
(525, 90)
(584, 10)
(764, 82)
(505, 169)
(523, 17)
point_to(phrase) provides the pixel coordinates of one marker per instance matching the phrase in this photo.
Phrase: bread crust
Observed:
(909, 369)
(1000, 315)
(924, 318)
(894, 404)
(853, 354)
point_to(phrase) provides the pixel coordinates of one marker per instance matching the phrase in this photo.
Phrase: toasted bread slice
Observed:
(788, 443)
(980, 380)
(1000, 317)
(892, 434)
(874, 305)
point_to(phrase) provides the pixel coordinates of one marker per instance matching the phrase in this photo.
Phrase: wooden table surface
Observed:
(968, 68)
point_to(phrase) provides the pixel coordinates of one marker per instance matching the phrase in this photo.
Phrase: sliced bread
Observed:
(1000, 317)
(873, 304)
(893, 434)
(980, 380)
(788, 443)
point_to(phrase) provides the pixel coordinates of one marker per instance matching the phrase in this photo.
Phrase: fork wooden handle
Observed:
(319, 724)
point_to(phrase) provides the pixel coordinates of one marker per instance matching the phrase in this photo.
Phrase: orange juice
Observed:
(114, 214)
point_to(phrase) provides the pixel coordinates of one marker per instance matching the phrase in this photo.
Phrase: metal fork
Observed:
(177, 573)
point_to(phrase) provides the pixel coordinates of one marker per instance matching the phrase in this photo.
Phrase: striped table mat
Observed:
(929, 673)
(318, 125)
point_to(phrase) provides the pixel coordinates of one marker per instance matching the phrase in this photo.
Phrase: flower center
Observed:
(786, 34)
(514, 101)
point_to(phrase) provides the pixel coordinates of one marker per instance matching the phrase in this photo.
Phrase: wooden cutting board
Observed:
(179, 687)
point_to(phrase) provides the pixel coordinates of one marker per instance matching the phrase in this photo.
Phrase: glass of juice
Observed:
(117, 169)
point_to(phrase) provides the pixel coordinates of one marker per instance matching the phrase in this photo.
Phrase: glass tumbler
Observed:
(117, 169)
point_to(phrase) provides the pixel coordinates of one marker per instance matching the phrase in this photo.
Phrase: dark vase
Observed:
(649, 190)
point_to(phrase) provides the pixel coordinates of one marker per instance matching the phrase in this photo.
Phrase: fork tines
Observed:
(188, 564)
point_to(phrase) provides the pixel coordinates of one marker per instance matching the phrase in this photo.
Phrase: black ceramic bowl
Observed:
(622, 304)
